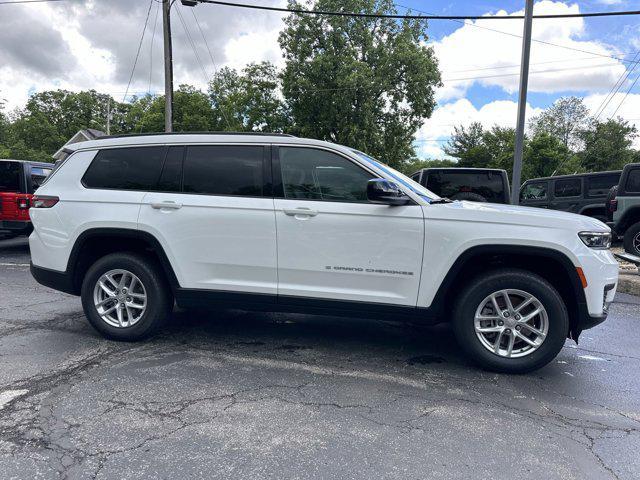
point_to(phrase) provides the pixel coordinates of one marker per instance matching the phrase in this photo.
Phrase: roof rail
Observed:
(264, 134)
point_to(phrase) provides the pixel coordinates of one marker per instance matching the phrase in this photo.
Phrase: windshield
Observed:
(399, 177)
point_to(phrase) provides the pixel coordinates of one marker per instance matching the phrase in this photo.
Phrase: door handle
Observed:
(294, 212)
(166, 205)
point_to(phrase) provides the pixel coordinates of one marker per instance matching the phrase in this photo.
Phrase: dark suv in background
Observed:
(18, 180)
(623, 207)
(474, 184)
(585, 194)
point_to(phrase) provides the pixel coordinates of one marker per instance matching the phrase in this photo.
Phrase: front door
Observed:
(216, 220)
(333, 243)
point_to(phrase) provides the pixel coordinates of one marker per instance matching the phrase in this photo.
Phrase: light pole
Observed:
(522, 102)
(168, 61)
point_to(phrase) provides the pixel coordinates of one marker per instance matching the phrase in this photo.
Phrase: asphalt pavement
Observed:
(231, 394)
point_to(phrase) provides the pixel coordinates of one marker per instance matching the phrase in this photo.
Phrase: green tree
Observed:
(546, 155)
(468, 146)
(607, 145)
(563, 120)
(363, 82)
(248, 101)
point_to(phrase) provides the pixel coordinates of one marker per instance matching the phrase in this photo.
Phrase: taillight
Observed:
(613, 205)
(23, 203)
(43, 201)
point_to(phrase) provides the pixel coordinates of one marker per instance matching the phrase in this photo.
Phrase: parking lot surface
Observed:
(232, 394)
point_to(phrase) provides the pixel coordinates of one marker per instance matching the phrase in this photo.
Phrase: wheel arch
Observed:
(630, 217)
(95, 243)
(553, 265)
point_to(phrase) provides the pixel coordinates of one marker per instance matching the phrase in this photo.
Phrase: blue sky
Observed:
(82, 44)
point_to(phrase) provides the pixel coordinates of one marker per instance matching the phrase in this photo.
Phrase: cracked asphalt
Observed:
(231, 394)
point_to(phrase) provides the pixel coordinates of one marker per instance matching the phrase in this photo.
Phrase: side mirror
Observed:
(385, 192)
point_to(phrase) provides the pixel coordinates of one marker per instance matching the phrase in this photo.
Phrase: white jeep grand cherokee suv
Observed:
(274, 222)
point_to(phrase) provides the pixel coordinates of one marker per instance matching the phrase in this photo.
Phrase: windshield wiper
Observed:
(440, 200)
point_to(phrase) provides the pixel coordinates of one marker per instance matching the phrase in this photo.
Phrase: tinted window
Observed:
(568, 188)
(10, 176)
(126, 168)
(448, 183)
(633, 181)
(599, 186)
(534, 191)
(224, 170)
(320, 175)
(39, 175)
(171, 176)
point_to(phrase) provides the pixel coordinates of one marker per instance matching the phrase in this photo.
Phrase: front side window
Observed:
(131, 168)
(568, 188)
(313, 174)
(224, 170)
(534, 191)
(633, 181)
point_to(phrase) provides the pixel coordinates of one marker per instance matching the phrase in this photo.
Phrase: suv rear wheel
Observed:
(510, 321)
(125, 296)
(632, 239)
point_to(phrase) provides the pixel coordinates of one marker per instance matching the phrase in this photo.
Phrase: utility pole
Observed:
(109, 116)
(168, 68)
(522, 102)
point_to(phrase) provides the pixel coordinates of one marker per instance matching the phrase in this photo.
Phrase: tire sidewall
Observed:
(157, 296)
(484, 286)
(629, 236)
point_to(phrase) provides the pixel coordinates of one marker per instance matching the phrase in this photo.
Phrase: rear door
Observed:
(214, 216)
(567, 194)
(12, 186)
(334, 244)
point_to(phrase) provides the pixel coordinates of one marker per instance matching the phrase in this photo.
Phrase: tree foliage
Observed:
(363, 82)
(564, 120)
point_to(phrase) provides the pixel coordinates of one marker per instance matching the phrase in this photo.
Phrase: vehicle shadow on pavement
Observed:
(314, 336)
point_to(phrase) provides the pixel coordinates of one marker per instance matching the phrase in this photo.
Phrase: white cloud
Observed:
(476, 50)
(433, 134)
(623, 105)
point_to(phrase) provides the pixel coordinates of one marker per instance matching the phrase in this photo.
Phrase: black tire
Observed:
(469, 196)
(611, 195)
(159, 301)
(632, 239)
(484, 285)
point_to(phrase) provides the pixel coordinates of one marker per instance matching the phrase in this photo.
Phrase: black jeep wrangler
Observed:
(584, 193)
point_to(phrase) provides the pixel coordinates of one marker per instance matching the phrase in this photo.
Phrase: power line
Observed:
(515, 35)
(135, 62)
(616, 88)
(301, 11)
(625, 97)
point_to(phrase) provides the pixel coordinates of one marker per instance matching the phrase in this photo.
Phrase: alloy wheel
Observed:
(120, 298)
(511, 323)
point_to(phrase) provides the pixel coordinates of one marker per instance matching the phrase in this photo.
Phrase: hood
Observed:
(514, 215)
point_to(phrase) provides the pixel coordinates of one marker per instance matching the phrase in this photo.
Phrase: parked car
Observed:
(623, 207)
(273, 222)
(473, 184)
(18, 180)
(584, 194)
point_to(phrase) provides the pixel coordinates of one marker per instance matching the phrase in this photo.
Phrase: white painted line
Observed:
(591, 357)
(8, 395)
(14, 264)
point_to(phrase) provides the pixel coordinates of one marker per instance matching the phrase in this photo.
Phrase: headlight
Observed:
(598, 240)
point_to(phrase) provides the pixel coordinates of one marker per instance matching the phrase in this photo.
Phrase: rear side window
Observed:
(313, 174)
(224, 170)
(136, 168)
(171, 176)
(599, 186)
(568, 188)
(534, 191)
(10, 176)
(39, 175)
(633, 181)
(449, 183)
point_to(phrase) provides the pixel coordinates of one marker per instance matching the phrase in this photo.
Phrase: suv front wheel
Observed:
(510, 321)
(125, 296)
